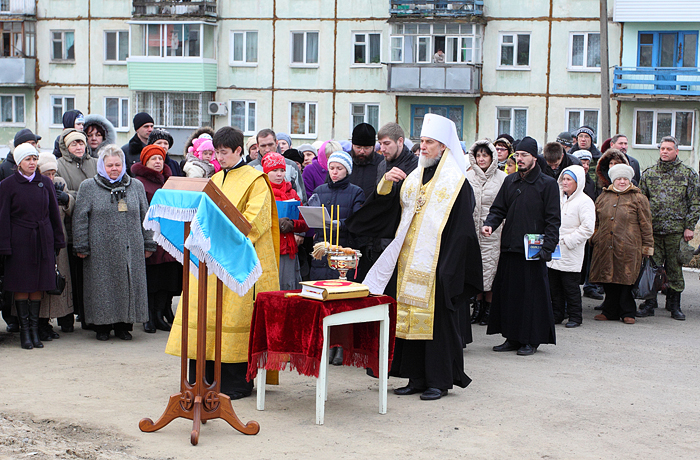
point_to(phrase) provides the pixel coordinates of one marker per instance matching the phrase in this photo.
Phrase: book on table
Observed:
(533, 245)
(333, 290)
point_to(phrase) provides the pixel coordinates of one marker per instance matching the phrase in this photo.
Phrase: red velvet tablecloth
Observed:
(287, 333)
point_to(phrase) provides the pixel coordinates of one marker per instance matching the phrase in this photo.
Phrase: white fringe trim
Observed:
(171, 213)
(168, 246)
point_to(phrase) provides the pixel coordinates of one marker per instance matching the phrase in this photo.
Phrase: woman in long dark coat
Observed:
(109, 237)
(30, 235)
(163, 272)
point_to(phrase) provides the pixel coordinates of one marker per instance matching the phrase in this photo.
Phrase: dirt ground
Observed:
(606, 390)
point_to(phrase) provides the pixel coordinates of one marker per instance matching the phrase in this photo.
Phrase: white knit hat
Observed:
(343, 158)
(620, 170)
(22, 151)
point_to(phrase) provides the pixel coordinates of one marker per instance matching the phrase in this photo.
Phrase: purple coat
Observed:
(30, 232)
(314, 175)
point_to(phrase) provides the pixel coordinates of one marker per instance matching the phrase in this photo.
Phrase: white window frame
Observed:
(120, 101)
(244, 62)
(392, 48)
(429, 51)
(116, 61)
(63, 59)
(365, 106)
(512, 119)
(515, 65)
(307, 134)
(64, 107)
(246, 120)
(147, 101)
(367, 48)
(580, 68)
(580, 111)
(304, 62)
(654, 145)
(14, 122)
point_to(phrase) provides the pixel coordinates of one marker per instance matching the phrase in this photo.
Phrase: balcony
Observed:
(17, 7)
(191, 74)
(434, 79)
(174, 9)
(412, 9)
(17, 72)
(657, 83)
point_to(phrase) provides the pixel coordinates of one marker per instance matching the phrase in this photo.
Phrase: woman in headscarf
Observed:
(109, 237)
(30, 235)
(163, 272)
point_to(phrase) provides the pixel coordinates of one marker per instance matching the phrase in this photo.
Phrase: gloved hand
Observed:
(59, 186)
(332, 224)
(286, 225)
(62, 197)
(544, 255)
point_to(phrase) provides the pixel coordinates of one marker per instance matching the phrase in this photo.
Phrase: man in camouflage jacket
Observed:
(672, 190)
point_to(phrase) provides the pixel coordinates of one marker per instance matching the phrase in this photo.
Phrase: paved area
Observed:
(605, 391)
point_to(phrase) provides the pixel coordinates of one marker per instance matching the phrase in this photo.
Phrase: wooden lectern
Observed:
(202, 400)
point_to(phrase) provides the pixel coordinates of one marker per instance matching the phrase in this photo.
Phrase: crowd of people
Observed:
(440, 227)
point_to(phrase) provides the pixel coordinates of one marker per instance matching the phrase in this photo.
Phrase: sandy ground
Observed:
(606, 390)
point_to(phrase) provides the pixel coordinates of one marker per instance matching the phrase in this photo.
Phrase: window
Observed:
(17, 38)
(117, 46)
(584, 51)
(176, 110)
(62, 45)
(61, 105)
(364, 113)
(243, 116)
(117, 112)
(652, 125)
(304, 48)
(181, 40)
(244, 47)
(511, 121)
(367, 48)
(418, 43)
(668, 49)
(11, 109)
(575, 118)
(514, 50)
(303, 119)
(453, 112)
(4, 5)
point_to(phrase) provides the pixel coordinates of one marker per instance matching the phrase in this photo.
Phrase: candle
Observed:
(337, 235)
(323, 210)
(330, 243)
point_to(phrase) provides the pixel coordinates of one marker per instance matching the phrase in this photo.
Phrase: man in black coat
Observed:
(143, 125)
(368, 166)
(529, 203)
(554, 160)
(371, 227)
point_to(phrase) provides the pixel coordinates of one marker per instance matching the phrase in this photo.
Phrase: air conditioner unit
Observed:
(218, 108)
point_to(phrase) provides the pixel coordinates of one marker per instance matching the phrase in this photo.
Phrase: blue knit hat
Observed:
(343, 158)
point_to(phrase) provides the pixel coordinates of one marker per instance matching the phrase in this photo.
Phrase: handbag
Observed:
(60, 284)
(650, 280)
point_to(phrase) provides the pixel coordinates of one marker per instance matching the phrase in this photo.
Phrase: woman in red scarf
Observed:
(290, 274)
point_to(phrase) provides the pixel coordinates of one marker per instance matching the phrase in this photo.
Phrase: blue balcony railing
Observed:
(656, 81)
(405, 9)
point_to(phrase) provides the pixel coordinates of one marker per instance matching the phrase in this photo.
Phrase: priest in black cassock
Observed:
(436, 253)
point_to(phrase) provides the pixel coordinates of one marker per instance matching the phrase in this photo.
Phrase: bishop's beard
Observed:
(426, 162)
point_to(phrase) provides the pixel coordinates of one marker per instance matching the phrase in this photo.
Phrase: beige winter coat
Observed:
(577, 224)
(486, 186)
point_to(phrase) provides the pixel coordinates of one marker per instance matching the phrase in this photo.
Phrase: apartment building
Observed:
(316, 68)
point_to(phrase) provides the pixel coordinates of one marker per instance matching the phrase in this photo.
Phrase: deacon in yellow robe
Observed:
(249, 190)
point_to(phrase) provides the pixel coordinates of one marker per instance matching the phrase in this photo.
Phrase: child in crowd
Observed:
(290, 274)
(200, 161)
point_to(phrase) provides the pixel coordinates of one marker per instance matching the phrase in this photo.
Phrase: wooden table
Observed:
(369, 326)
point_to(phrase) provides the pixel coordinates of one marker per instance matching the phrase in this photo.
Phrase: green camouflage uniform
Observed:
(672, 190)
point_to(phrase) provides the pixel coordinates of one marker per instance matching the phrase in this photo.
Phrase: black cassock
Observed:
(439, 363)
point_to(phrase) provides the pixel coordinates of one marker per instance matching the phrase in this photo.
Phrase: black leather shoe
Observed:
(591, 294)
(338, 358)
(527, 350)
(238, 395)
(431, 394)
(571, 324)
(678, 314)
(599, 307)
(70, 328)
(408, 390)
(124, 335)
(102, 336)
(12, 327)
(507, 346)
(149, 327)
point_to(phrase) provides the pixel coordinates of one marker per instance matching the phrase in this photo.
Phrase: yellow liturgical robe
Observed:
(249, 190)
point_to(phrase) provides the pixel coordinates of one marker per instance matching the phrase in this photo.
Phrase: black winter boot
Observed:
(485, 309)
(25, 339)
(477, 312)
(46, 332)
(168, 315)
(647, 308)
(150, 325)
(34, 307)
(160, 307)
(674, 304)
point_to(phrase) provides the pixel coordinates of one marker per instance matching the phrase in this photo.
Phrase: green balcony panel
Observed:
(172, 76)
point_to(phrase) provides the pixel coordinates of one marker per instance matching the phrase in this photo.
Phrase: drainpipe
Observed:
(604, 129)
